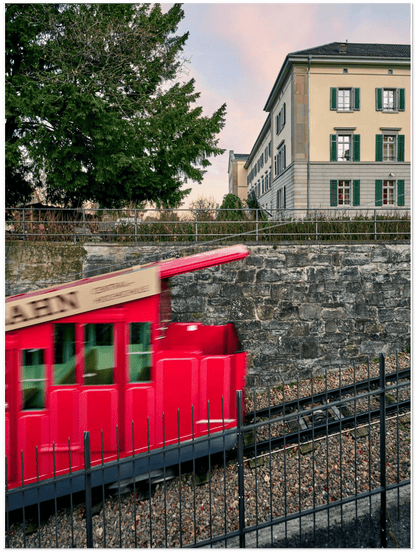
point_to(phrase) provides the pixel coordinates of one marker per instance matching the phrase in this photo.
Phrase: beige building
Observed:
(337, 134)
(237, 174)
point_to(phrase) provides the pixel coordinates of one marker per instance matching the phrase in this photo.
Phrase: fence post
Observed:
(196, 225)
(240, 464)
(83, 224)
(257, 225)
(135, 225)
(23, 226)
(316, 224)
(383, 502)
(375, 224)
(88, 494)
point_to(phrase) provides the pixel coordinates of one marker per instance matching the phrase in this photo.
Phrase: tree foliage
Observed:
(231, 201)
(95, 109)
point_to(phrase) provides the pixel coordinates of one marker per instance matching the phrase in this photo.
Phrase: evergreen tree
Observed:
(94, 104)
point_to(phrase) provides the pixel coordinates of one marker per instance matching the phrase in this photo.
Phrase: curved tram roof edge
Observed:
(106, 290)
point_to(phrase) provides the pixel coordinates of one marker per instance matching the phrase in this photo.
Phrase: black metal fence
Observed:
(317, 463)
(203, 225)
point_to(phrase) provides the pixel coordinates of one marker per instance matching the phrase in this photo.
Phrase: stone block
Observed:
(268, 275)
(309, 311)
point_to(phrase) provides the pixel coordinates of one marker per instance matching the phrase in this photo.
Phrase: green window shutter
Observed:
(333, 98)
(333, 193)
(284, 114)
(379, 99)
(357, 99)
(355, 193)
(333, 147)
(379, 193)
(356, 148)
(379, 147)
(401, 99)
(400, 193)
(400, 148)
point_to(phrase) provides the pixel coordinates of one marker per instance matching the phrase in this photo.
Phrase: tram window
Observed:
(33, 382)
(139, 352)
(99, 354)
(64, 354)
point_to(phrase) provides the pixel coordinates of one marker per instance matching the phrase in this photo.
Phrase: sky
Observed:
(236, 50)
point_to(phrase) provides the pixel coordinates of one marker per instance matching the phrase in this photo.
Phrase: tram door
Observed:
(33, 437)
(64, 398)
(99, 397)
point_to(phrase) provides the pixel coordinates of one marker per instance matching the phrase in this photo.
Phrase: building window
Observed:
(281, 198)
(390, 100)
(341, 146)
(345, 99)
(390, 147)
(390, 192)
(344, 193)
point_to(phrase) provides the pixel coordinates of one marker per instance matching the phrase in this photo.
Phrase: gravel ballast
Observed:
(280, 483)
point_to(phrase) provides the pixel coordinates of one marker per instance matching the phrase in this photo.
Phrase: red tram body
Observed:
(98, 354)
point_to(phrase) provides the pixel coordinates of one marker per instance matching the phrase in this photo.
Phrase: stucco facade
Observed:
(338, 130)
(237, 174)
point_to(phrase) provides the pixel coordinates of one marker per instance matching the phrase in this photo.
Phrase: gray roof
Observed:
(359, 50)
(339, 50)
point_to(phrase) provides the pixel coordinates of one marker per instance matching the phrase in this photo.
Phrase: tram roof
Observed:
(110, 289)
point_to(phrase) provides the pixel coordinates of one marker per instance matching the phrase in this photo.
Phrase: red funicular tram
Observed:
(100, 353)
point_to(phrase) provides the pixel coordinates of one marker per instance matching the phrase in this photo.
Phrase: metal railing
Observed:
(283, 496)
(197, 226)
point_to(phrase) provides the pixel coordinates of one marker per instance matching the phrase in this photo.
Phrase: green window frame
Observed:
(139, 352)
(355, 193)
(33, 379)
(400, 193)
(333, 193)
(379, 193)
(355, 99)
(399, 103)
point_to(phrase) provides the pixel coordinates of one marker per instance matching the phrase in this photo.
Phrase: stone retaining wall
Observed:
(296, 308)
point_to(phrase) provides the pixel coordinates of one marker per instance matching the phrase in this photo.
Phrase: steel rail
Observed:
(328, 393)
(324, 428)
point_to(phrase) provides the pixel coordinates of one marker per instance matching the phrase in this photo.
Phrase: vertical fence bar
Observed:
(23, 224)
(316, 224)
(375, 224)
(84, 229)
(135, 225)
(196, 226)
(383, 504)
(241, 512)
(257, 225)
(88, 493)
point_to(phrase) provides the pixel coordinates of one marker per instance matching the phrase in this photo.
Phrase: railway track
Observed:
(334, 410)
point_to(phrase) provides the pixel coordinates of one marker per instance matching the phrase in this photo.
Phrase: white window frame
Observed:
(389, 145)
(341, 144)
(389, 192)
(342, 104)
(344, 193)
